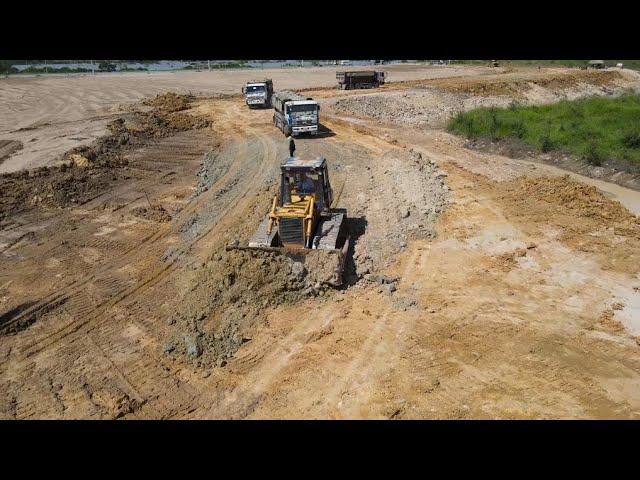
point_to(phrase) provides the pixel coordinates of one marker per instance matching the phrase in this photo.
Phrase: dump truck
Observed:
(258, 93)
(295, 114)
(360, 79)
(302, 217)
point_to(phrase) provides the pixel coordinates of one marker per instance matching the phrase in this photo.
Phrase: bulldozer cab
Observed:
(305, 178)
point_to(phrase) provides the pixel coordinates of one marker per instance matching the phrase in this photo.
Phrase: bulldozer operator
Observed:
(304, 184)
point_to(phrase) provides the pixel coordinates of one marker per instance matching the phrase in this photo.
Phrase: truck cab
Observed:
(302, 116)
(294, 114)
(258, 94)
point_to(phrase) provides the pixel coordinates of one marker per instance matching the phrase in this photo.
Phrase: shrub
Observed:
(546, 144)
(518, 129)
(493, 124)
(591, 153)
(631, 139)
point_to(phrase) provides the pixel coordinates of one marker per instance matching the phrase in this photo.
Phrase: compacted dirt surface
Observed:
(477, 285)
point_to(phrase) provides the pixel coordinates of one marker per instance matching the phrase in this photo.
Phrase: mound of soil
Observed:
(214, 333)
(155, 213)
(585, 219)
(52, 187)
(170, 102)
(584, 201)
(135, 130)
(496, 86)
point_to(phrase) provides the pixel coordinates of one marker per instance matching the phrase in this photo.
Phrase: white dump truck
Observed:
(294, 114)
(258, 93)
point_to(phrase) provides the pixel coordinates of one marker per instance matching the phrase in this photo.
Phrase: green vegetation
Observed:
(595, 128)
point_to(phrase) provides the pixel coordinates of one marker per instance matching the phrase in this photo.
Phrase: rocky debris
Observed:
(417, 108)
(404, 303)
(192, 345)
(432, 103)
(418, 192)
(388, 288)
(212, 168)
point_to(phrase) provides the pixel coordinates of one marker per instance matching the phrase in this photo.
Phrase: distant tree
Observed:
(105, 66)
(5, 66)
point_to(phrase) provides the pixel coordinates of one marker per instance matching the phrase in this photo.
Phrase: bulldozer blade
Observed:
(338, 258)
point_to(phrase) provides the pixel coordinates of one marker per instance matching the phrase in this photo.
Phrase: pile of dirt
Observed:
(517, 84)
(586, 220)
(584, 201)
(8, 148)
(155, 213)
(52, 187)
(135, 130)
(170, 102)
(402, 208)
(420, 108)
(212, 334)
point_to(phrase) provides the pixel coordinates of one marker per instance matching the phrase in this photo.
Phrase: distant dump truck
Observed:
(258, 93)
(361, 79)
(295, 114)
(596, 64)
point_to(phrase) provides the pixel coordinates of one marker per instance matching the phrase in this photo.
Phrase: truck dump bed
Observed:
(360, 79)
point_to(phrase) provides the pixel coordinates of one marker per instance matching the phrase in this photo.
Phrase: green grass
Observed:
(595, 128)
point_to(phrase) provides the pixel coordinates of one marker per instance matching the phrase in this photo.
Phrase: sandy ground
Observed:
(516, 290)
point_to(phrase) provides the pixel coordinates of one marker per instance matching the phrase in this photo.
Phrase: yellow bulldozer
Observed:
(302, 217)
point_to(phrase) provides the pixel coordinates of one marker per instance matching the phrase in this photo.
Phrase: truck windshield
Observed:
(255, 89)
(302, 108)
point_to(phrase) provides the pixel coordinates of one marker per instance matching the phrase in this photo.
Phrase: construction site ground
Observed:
(479, 286)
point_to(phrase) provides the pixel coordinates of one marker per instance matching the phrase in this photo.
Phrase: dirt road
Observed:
(467, 298)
